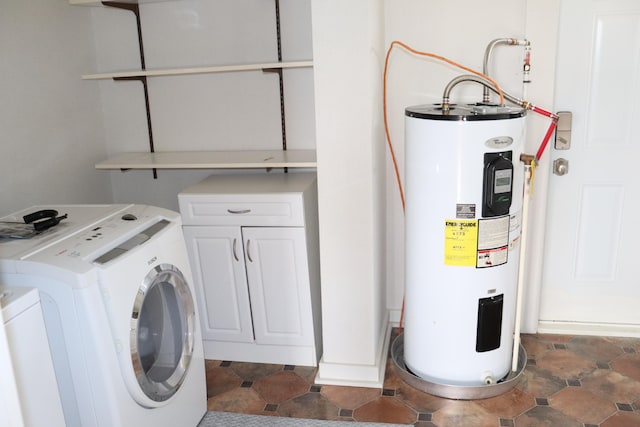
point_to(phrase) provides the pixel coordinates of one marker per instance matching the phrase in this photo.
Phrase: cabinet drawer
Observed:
(247, 210)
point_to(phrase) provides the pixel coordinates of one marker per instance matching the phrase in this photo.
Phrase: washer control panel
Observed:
(107, 239)
(132, 242)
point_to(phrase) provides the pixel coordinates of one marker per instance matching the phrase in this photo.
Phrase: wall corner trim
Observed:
(354, 375)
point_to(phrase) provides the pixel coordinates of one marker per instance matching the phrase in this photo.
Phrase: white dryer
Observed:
(117, 298)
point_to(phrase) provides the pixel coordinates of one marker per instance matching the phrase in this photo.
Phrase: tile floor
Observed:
(569, 381)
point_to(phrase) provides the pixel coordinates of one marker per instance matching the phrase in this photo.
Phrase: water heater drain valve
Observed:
(487, 378)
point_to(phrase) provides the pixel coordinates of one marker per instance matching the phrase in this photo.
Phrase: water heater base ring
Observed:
(455, 391)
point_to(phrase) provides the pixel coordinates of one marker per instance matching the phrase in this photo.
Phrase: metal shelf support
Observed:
(135, 9)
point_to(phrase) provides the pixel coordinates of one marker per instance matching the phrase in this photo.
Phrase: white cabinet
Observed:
(252, 241)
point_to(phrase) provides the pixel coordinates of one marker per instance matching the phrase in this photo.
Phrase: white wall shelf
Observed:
(212, 160)
(199, 70)
(99, 3)
(201, 159)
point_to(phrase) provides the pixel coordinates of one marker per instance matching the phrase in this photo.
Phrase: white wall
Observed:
(227, 111)
(51, 131)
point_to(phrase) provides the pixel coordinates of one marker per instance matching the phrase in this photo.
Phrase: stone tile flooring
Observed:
(569, 381)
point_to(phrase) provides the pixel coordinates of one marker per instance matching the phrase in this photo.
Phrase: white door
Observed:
(217, 262)
(591, 277)
(277, 271)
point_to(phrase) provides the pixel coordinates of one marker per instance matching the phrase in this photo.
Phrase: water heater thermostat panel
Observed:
(498, 184)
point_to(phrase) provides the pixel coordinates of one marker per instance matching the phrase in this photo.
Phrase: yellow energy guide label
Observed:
(460, 242)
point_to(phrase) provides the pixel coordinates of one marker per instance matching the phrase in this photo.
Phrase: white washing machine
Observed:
(117, 297)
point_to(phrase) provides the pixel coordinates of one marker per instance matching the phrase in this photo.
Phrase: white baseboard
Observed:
(260, 353)
(394, 317)
(347, 374)
(595, 329)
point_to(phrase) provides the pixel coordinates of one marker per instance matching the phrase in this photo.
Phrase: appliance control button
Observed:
(129, 217)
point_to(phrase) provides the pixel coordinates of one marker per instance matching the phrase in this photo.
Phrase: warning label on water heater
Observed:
(460, 242)
(493, 241)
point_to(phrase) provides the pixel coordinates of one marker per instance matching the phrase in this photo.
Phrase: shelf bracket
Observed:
(279, 71)
(135, 9)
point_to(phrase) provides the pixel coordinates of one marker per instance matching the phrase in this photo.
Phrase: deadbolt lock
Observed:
(563, 130)
(560, 166)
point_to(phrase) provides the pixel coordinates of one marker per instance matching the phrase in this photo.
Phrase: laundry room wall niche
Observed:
(202, 112)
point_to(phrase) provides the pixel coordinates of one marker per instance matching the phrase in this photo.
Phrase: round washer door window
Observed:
(162, 332)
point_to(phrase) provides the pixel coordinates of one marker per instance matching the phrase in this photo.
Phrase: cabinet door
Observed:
(217, 262)
(277, 271)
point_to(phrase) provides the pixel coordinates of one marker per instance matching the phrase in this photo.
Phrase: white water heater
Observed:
(464, 181)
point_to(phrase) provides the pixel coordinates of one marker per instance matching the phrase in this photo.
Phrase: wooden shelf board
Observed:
(198, 70)
(212, 160)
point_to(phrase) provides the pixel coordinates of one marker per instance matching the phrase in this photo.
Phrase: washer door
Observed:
(162, 332)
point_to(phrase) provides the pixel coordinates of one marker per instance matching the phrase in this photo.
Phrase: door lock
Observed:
(563, 130)
(561, 166)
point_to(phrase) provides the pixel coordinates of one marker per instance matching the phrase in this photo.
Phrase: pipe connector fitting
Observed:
(527, 159)
(446, 107)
